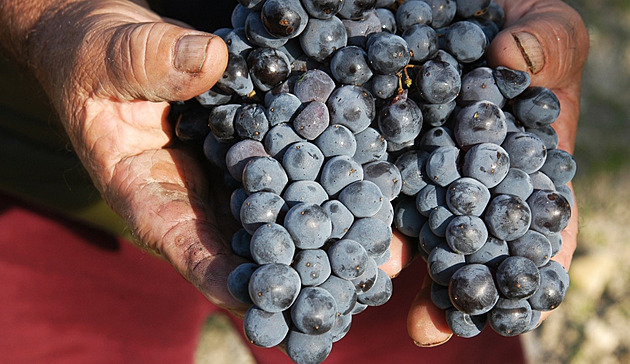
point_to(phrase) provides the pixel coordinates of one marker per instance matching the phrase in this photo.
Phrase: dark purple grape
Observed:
(336, 140)
(472, 289)
(302, 161)
(257, 33)
(510, 317)
(261, 208)
(314, 311)
(380, 292)
(250, 122)
(467, 196)
(274, 287)
(386, 176)
(222, 121)
(340, 217)
(321, 38)
(422, 41)
(272, 243)
(308, 349)
(348, 259)
(237, 42)
(240, 153)
(465, 41)
(282, 108)
(534, 246)
(443, 263)
(438, 114)
(407, 219)
(492, 253)
(465, 325)
(304, 191)
(240, 243)
(439, 296)
(480, 85)
(508, 217)
(213, 97)
(312, 120)
(284, 18)
(442, 12)
(384, 86)
(344, 292)
(438, 82)
(536, 107)
(554, 282)
(411, 165)
(551, 212)
(362, 198)
(371, 146)
(356, 9)
(516, 182)
(236, 78)
(413, 12)
(517, 277)
(429, 198)
(322, 9)
(279, 138)
(350, 65)
(237, 198)
(268, 67)
(511, 82)
(527, 151)
(238, 281)
(439, 218)
(560, 166)
(466, 234)
(264, 174)
(388, 20)
(480, 122)
(486, 162)
(442, 166)
(359, 30)
(469, 8)
(374, 234)
(365, 281)
(547, 134)
(314, 85)
(339, 172)
(388, 53)
(265, 329)
(352, 107)
(313, 266)
(309, 225)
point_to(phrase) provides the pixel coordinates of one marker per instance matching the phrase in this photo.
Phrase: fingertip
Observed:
(401, 255)
(426, 323)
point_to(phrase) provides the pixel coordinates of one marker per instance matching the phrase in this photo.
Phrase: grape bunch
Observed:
(337, 121)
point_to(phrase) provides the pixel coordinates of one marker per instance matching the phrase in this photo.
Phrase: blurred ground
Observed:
(592, 324)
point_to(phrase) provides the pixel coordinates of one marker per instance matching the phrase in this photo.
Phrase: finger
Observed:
(162, 62)
(401, 255)
(546, 38)
(426, 323)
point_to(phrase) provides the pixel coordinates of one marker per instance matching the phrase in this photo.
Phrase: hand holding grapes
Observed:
(110, 76)
(549, 40)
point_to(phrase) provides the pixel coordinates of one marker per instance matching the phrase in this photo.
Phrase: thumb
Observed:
(546, 38)
(163, 62)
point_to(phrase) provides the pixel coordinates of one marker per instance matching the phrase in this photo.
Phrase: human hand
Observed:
(548, 39)
(110, 67)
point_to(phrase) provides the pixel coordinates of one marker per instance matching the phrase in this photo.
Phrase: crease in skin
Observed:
(430, 345)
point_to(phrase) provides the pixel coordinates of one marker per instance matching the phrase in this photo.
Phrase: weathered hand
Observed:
(110, 68)
(548, 39)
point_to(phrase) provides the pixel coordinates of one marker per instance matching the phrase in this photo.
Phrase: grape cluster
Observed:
(338, 120)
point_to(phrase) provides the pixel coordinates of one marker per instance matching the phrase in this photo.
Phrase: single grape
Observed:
(510, 317)
(314, 311)
(313, 266)
(238, 281)
(265, 329)
(274, 287)
(472, 289)
(309, 225)
(508, 217)
(517, 277)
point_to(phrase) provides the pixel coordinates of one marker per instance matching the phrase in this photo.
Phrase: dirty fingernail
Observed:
(430, 345)
(531, 50)
(190, 52)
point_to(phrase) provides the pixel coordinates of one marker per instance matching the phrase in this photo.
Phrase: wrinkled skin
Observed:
(113, 72)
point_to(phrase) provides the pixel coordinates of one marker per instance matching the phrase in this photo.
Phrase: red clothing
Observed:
(72, 294)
